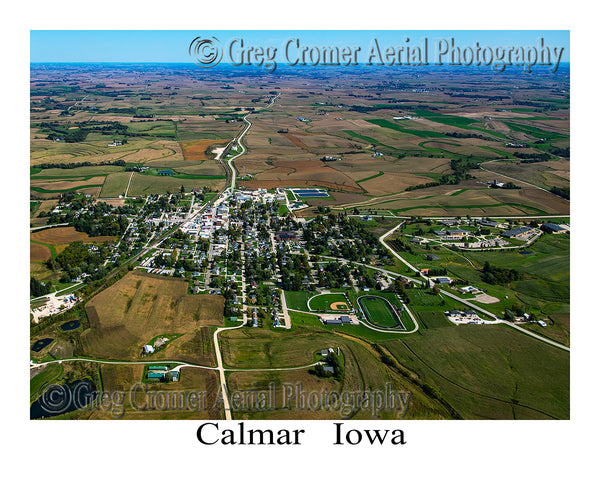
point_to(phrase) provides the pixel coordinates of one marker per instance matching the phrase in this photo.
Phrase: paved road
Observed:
(48, 226)
(238, 140)
(466, 302)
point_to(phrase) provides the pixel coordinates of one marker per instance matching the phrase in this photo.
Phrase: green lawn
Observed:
(323, 302)
(297, 300)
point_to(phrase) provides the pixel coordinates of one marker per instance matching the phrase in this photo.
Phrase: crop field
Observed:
(429, 320)
(145, 184)
(115, 184)
(207, 167)
(39, 253)
(490, 372)
(195, 151)
(136, 150)
(480, 201)
(93, 171)
(392, 182)
(66, 235)
(44, 185)
(140, 306)
(543, 174)
(50, 242)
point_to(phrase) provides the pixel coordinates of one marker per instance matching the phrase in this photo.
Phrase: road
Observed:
(220, 368)
(127, 190)
(466, 302)
(32, 229)
(238, 140)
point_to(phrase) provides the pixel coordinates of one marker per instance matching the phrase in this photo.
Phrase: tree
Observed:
(37, 288)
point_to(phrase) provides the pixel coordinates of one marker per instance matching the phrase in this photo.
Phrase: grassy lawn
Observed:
(297, 300)
(323, 302)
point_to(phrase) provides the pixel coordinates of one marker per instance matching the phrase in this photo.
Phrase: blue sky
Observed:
(172, 46)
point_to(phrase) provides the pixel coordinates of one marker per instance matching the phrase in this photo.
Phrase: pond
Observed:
(72, 325)
(37, 346)
(57, 399)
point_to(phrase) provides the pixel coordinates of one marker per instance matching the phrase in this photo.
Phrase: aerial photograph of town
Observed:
(317, 226)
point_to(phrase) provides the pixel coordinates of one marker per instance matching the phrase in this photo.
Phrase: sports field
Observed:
(330, 302)
(378, 311)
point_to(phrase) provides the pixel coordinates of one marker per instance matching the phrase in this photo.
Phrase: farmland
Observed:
(50, 242)
(224, 280)
(468, 364)
(138, 307)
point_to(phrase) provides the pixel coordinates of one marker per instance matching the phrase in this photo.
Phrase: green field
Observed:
(297, 300)
(429, 320)
(323, 302)
(489, 372)
(395, 126)
(378, 311)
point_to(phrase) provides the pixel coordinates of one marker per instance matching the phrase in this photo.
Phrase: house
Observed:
(328, 369)
(286, 236)
(148, 349)
(324, 352)
(443, 280)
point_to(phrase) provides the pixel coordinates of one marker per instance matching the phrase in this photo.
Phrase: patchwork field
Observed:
(51, 241)
(140, 306)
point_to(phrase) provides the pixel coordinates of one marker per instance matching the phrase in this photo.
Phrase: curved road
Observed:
(466, 302)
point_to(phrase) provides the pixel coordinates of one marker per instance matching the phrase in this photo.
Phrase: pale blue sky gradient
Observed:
(165, 46)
